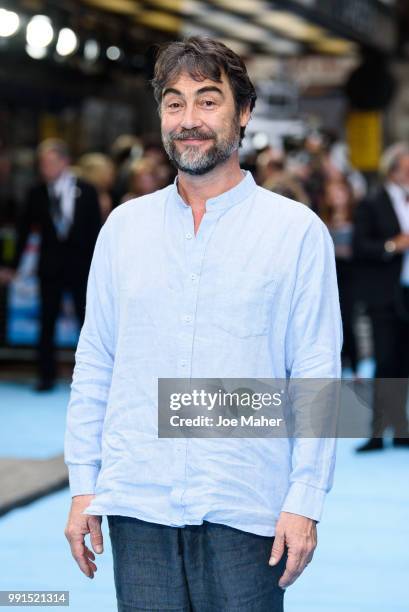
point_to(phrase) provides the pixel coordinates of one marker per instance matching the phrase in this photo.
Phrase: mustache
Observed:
(194, 134)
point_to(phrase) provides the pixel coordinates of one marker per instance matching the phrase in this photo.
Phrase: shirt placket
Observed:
(195, 249)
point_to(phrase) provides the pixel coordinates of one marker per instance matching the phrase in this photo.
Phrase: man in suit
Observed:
(381, 244)
(66, 212)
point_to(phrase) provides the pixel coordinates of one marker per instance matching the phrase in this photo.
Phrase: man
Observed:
(65, 210)
(381, 243)
(209, 277)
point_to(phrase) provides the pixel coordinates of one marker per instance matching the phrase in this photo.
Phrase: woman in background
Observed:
(99, 170)
(336, 210)
(144, 177)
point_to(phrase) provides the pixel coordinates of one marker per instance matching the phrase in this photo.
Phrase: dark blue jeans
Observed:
(197, 568)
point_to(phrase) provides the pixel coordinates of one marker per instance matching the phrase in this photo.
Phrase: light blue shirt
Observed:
(252, 295)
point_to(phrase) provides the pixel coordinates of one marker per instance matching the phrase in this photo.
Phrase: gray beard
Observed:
(196, 162)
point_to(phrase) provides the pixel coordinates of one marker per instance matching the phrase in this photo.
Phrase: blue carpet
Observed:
(35, 555)
(360, 564)
(32, 424)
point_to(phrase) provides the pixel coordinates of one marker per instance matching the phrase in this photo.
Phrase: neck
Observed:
(400, 185)
(53, 181)
(196, 190)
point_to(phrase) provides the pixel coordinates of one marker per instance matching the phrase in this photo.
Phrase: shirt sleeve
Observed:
(91, 381)
(313, 350)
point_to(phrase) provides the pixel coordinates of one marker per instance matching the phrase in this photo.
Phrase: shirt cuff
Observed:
(305, 500)
(82, 479)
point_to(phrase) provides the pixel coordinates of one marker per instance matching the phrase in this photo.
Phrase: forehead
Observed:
(48, 156)
(184, 82)
(48, 153)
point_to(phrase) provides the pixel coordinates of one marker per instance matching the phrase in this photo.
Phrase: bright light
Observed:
(39, 32)
(113, 53)
(36, 52)
(9, 23)
(91, 50)
(67, 42)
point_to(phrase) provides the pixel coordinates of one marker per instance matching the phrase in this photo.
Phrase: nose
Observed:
(190, 118)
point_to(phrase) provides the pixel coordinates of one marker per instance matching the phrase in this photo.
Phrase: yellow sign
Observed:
(365, 138)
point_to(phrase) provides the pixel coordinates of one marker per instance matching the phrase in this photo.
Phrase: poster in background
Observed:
(23, 308)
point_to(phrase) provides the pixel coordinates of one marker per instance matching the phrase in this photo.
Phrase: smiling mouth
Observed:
(194, 140)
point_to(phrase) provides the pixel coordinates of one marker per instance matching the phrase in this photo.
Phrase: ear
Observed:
(245, 115)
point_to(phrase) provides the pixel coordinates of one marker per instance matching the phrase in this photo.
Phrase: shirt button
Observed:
(183, 363)
(187, 319)
(193, 277)
(188, 236)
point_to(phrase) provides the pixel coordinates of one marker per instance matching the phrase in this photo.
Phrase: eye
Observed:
(208, 103)
(173, 106)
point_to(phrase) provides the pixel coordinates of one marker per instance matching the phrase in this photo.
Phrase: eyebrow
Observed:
(208, 88)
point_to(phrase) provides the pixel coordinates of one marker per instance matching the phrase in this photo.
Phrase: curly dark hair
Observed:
(204, 58)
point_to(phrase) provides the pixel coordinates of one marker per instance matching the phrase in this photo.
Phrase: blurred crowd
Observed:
(132, 168)
(368, 221)
(317, 173)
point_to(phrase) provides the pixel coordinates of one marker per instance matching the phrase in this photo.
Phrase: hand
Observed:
(401, 242)
(6, 275)
(299, 534)
(78, 525)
